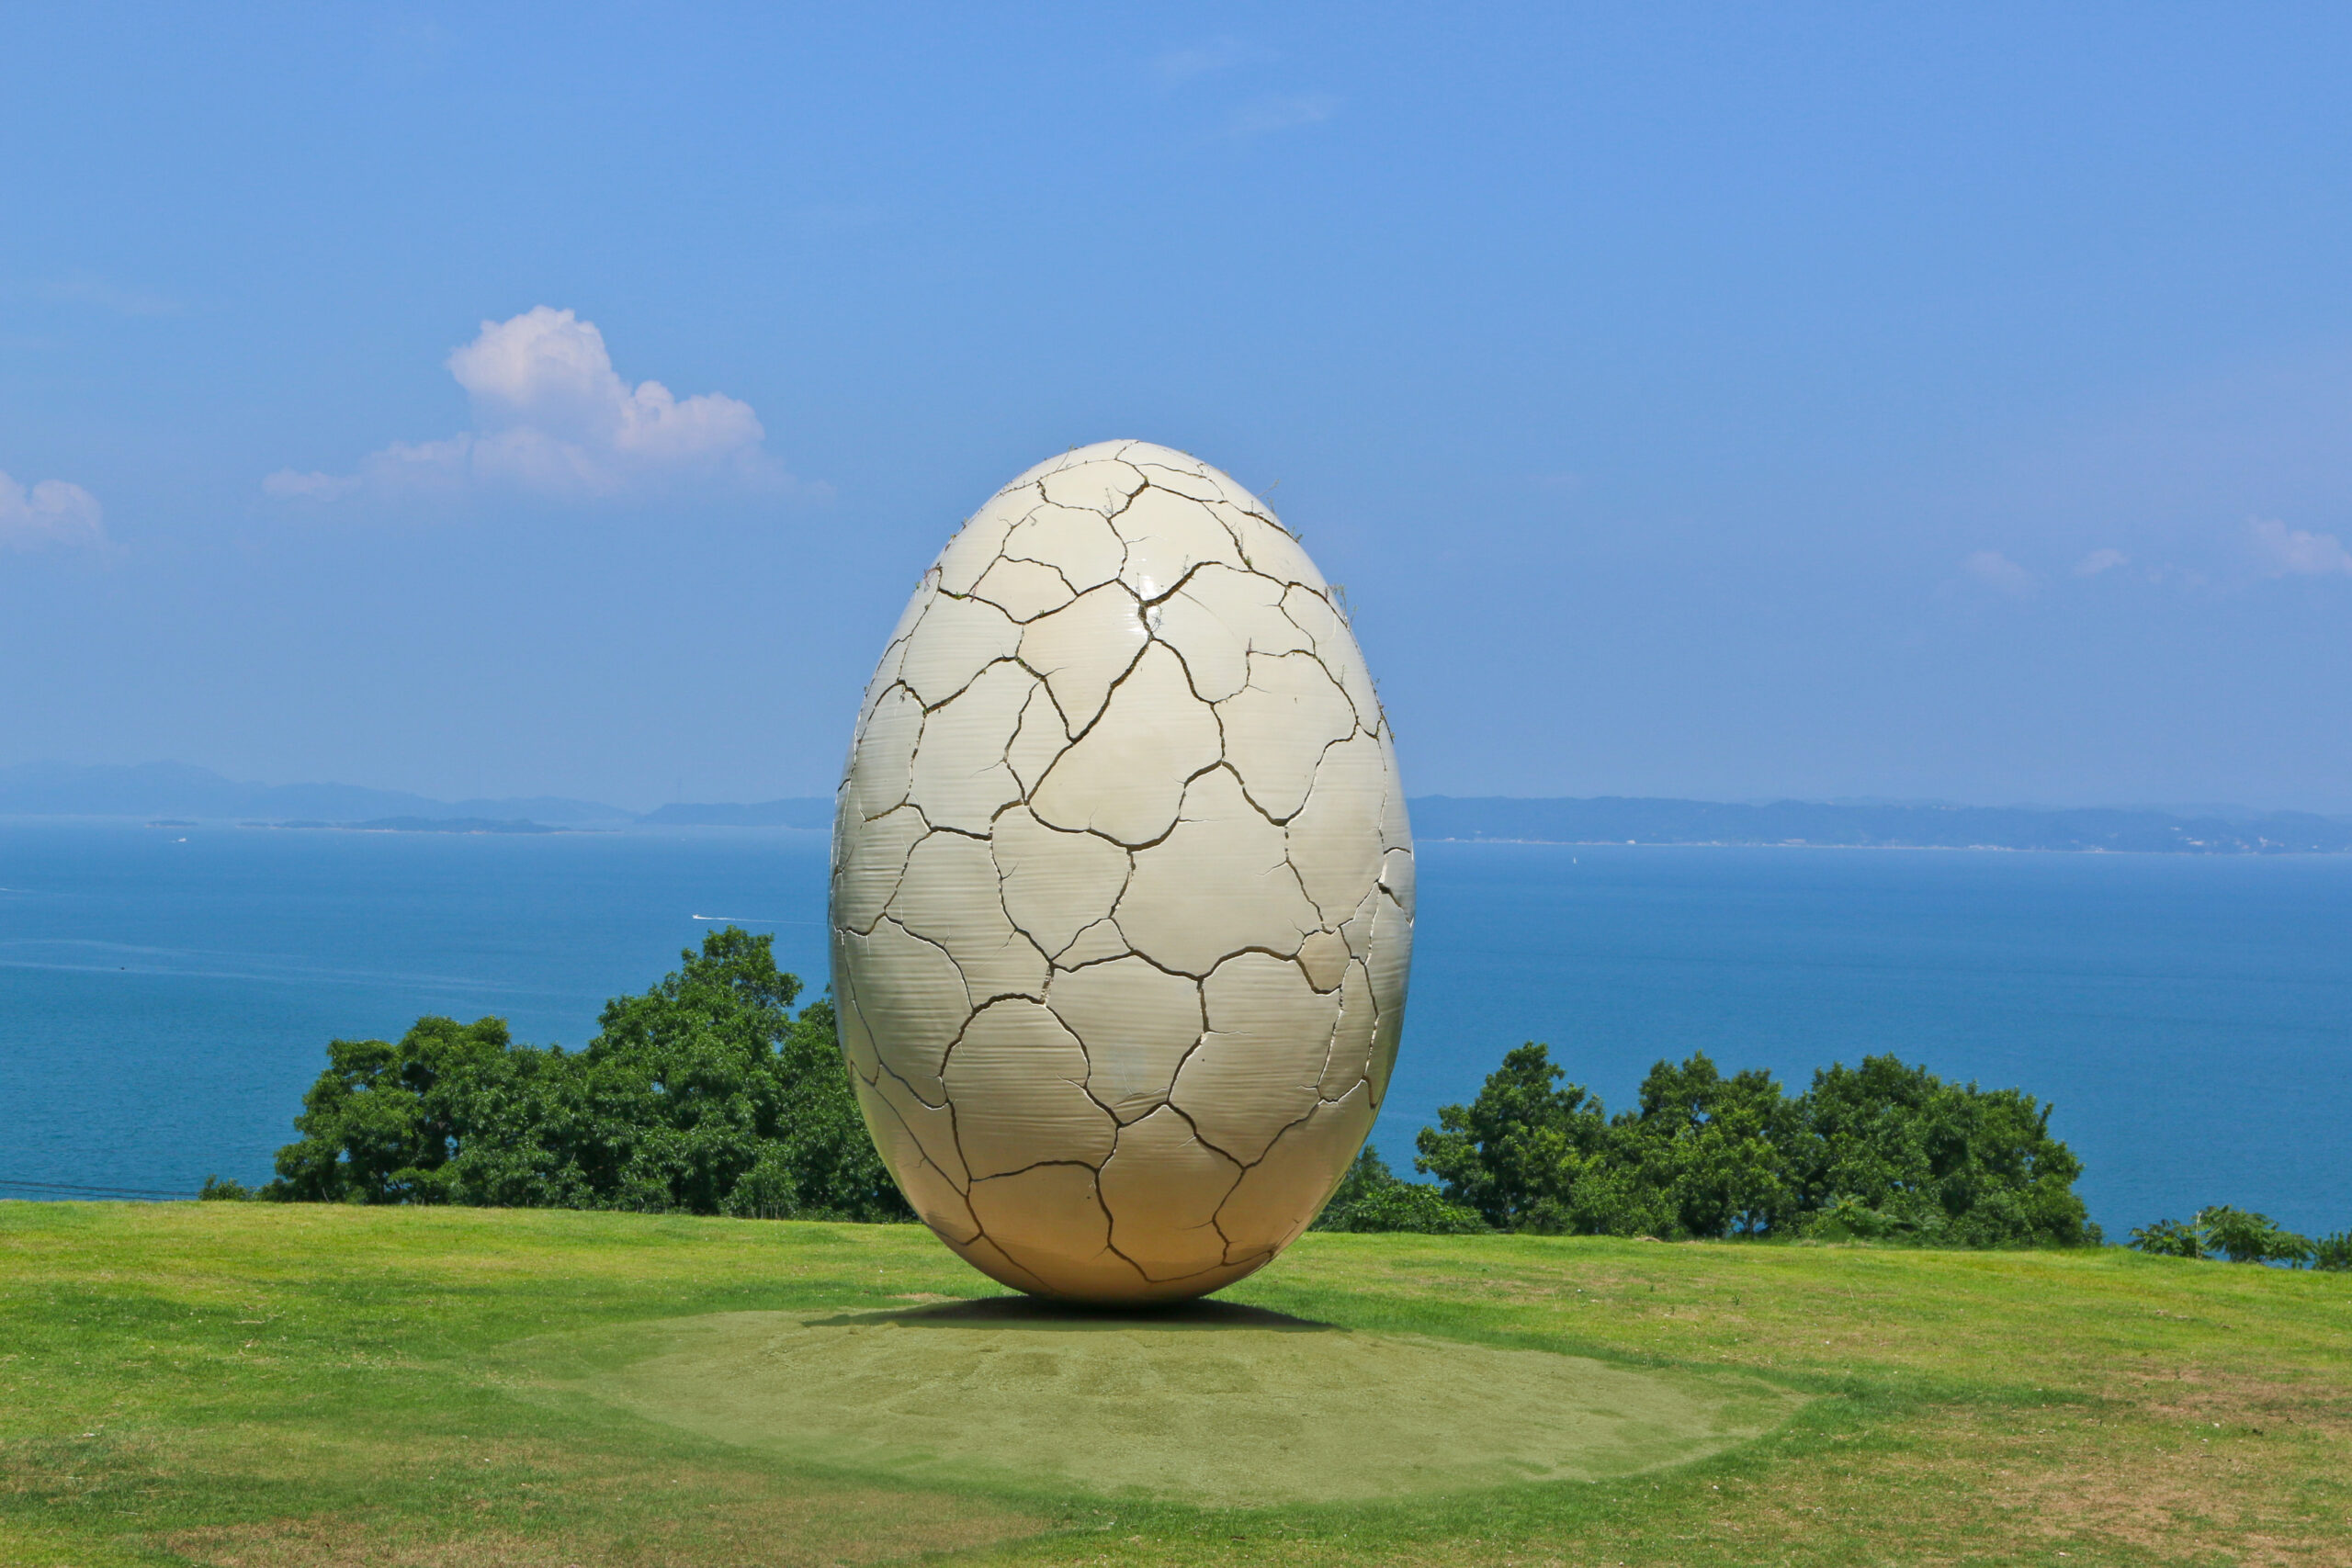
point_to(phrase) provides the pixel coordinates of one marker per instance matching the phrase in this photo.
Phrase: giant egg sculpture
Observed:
(1123, 888)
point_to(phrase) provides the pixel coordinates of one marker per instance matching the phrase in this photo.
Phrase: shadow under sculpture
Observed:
(1123, 886)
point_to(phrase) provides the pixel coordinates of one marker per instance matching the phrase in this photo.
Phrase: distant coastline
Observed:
(419, 825)
(1617, 819)
(176, 795)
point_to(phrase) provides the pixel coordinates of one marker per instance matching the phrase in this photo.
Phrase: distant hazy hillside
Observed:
(175, 789)
(1608, 819)
(433, 825)
(805, 811)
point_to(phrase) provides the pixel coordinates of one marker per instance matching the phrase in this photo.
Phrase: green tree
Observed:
(706, 1094)
(1514, 1155)
(379, 1125)
(2243, 1236)
(1701, 1155)
(2333, 1251)
(1938, 1161)
(1880, 1150)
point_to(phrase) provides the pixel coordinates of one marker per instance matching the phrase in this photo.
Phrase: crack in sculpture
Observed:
(1020, 708)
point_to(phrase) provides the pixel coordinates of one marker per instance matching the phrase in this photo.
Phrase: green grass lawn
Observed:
(258, 1387)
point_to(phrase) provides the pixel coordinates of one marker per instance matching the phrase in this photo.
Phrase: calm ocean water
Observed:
(165, 995)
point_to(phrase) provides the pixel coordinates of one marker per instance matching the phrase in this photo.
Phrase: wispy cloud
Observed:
(2283, 551)
(50, 512)
(96, 291)
(1998, 572)
(2098, 561)
(1205, 58)
(1263, 117)
(551, 417)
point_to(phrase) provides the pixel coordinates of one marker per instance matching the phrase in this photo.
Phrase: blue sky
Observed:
(1719, 402)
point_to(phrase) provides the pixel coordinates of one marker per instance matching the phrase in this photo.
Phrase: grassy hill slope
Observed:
(268, 1387)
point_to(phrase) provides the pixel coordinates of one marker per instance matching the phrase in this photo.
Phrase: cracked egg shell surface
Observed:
(1123, 887)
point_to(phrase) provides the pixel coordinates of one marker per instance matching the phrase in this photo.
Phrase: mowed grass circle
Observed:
(1209, 1404)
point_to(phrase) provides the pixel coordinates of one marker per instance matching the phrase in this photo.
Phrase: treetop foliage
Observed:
(704, 1095)
(1883, 1149)
(707, 1094)
(2242, 1236)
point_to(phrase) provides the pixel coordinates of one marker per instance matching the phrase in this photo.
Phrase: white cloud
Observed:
(83, 289)
(551, 417)
(1280, 113)
(2283, 550)
(1997, 571)
(1217, 54)
(289, 485)
(2098, 561)
(51, 513)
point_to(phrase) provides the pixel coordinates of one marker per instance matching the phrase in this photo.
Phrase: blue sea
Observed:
(166, 994)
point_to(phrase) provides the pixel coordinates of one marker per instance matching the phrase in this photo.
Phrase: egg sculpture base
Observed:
(1123, 887)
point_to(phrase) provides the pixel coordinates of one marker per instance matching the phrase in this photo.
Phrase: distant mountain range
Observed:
(174, 790)
(1615, 819)
(415, 825)
(804, 812)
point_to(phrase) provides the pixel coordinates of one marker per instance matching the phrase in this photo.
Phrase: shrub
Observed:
(1372, 1198)
(2168, 1238)
(2244, 1237)
(1848, 1218)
